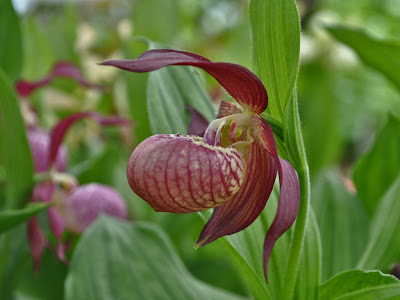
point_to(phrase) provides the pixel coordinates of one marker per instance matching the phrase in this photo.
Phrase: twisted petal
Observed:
(61, 128)
(61, 69)
(289, 197)
(183, 174)
(238, 81)
(249, 201)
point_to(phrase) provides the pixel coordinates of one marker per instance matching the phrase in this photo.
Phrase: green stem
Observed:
(297, 153)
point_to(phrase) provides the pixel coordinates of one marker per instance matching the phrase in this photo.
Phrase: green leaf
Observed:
(343, 223)
(382, 55)
(358, 284)
(276, 47)
(14, 150)
(384, 243)
(11, 50)
(12, 218)
(380, 166)
(118, 260)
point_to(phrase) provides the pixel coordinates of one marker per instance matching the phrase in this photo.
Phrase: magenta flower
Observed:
(232, 168)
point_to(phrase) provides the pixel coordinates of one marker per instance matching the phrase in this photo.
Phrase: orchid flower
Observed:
(74, 207)
(231, 169)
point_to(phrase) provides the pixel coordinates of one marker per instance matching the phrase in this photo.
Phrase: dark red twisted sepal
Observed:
(58, 132)
(182, 174)
(238, 81)
(61, 69)
(289, 197)
(241, 211)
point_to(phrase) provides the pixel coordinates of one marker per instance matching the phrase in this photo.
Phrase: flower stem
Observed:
(298, 156)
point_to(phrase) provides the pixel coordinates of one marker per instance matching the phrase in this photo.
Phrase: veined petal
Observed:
(289, 197)
(238, 81)
(240, 211)
(228, 108)
(182, 174)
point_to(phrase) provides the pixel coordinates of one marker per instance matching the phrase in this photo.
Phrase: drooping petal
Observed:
(61, 128)
(198, 124)
(228, 108)
(239, 82)
(182, 174)
(241, 211)
(289, 197)
(37, 242)
(61, 69)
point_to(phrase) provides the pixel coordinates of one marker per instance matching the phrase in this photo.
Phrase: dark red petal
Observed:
(61, 69)
(228, 108)
(58, 132)
(239, 82)
(198, 124)
(289, 197)
(182, 174)
(37, 242)
(241, 211)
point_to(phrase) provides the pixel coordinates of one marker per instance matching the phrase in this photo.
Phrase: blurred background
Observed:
(343, 102)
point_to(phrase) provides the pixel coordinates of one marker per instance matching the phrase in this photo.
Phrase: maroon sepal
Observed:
(58, 132)
(289, 197)
(198, 124)
(238, 81)
(61, 69)
(241, 211)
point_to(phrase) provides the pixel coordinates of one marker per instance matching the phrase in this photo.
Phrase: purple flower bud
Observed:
(85, 203)
(39, 142)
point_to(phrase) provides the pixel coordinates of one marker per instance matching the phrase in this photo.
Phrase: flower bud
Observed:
(85, 203)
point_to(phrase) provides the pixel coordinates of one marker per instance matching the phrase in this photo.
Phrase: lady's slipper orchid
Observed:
(232, 168)
(49, 155)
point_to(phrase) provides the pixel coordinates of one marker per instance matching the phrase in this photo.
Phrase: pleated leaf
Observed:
(382, 250)
(276, 47)
(118, 260)
(381, 55)
(359, 284)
